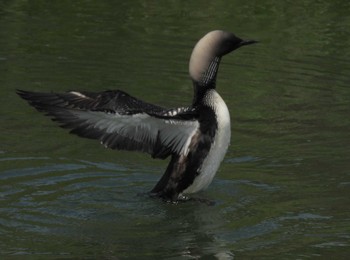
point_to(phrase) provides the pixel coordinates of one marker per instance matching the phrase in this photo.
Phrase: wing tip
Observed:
(23, 93)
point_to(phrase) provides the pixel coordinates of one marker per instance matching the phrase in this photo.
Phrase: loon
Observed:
(195, 138)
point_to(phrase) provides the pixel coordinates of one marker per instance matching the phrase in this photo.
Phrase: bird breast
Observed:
(219, 146)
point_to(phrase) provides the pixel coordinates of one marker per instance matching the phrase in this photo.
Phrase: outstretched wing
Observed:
(119, 120)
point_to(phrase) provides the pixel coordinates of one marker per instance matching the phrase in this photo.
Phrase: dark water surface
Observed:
(283, 190)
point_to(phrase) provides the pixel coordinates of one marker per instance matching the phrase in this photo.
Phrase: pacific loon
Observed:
(195, 138)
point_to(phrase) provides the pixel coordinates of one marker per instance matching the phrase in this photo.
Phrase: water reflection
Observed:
(89, 200)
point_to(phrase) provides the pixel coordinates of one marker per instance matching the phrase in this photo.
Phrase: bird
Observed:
(196, 137)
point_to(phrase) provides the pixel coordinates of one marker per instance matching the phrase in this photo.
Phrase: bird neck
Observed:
(206, 82)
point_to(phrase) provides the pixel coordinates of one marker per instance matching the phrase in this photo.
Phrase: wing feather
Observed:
(119, 121)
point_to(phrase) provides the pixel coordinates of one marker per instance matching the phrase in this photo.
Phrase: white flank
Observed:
(219, 147)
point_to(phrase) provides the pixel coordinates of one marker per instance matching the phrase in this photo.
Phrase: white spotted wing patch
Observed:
(177, 111)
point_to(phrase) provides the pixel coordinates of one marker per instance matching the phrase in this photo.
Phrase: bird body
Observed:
(218, 147)
(195, 138)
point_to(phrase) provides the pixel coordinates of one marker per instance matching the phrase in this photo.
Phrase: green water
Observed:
(283, 190)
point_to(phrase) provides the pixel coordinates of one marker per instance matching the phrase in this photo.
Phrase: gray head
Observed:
(207, 53)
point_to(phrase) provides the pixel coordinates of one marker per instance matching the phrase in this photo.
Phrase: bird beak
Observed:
(247, 42)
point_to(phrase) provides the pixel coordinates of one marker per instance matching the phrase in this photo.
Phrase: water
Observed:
(283, 189)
